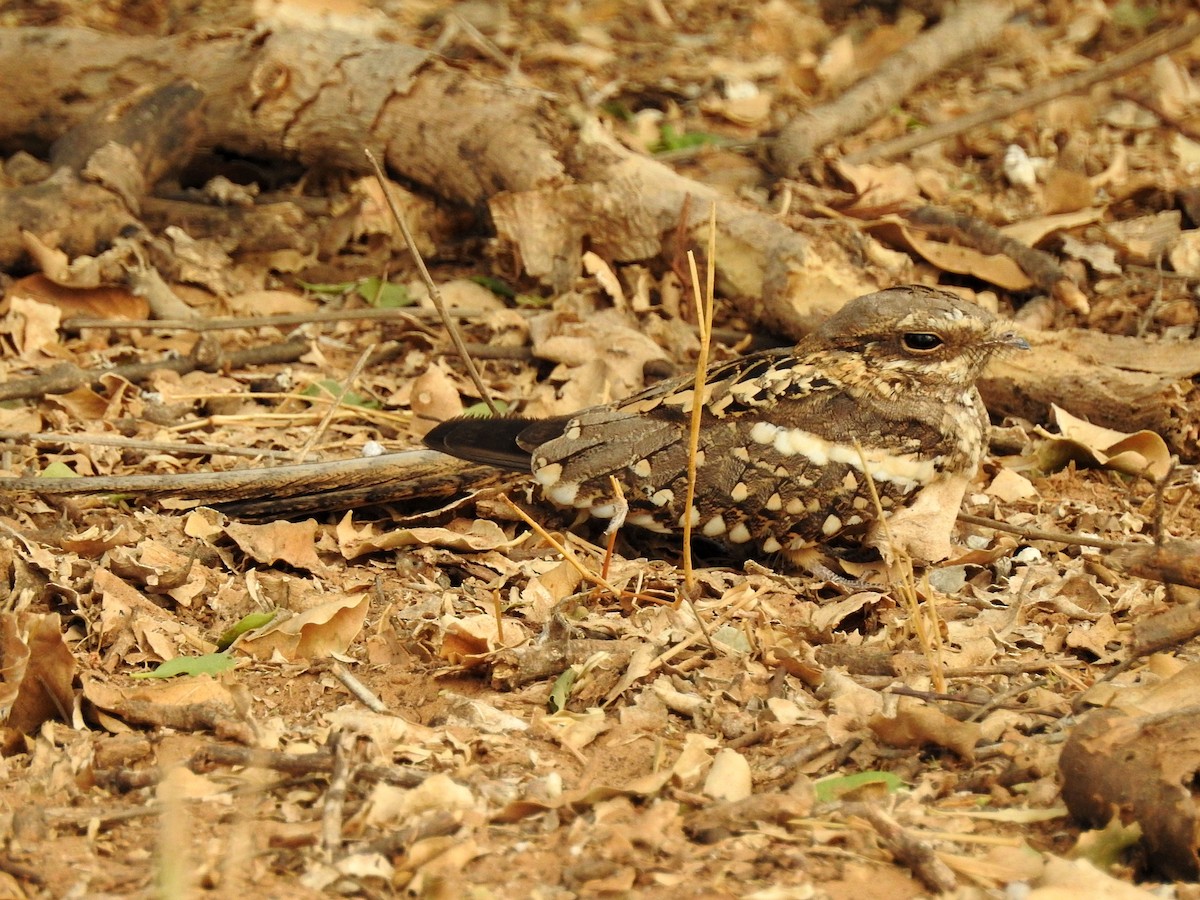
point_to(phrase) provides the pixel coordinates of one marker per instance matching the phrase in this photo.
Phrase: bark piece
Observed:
(1144, 767)
(1125, 383)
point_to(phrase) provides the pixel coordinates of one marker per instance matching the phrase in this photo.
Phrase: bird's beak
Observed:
(1010, 340)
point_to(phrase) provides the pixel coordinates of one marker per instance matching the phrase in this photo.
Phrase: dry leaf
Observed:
(291, 542)
(1140, 453)
(324, 630)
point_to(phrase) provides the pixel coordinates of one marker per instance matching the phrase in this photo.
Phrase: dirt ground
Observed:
(430, 700)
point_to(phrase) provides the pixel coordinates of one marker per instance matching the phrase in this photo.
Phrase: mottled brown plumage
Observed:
(893, 371)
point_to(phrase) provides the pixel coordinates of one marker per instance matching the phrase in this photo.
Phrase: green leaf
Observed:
(669, 139)
(1134, 16)
(495, 285)
(561, 692)
(838, 787)
(334, 289)
(382, 294)
(58, 470)
(209, 664)
(243, 625)
(327, 387)
(481, 410)
(532, 301)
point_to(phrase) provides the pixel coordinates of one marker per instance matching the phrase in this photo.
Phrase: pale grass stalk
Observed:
(704, 319)
(929, 634)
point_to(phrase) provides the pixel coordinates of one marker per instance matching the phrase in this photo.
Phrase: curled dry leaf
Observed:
(1140, 453)
(36, 679)
(916, 725)
(324, 630)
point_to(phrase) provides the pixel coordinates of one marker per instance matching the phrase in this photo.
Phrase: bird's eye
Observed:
(922, 341)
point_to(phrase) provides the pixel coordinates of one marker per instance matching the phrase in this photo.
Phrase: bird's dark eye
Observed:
(922, 341)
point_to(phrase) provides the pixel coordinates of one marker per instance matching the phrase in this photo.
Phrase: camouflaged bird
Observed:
(886, 385)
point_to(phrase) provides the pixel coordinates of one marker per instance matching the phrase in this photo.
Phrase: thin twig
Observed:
(1156, 45)
(323, 425)
(53, 439)
(1036, 534)
(434, 294)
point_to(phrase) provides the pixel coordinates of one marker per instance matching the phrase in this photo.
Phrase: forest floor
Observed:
(446, 708)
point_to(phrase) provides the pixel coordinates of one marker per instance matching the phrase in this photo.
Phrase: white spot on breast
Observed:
(663, 497)
(831, 526)
(563, 494)
(763, 432)
(774, 502)
(741, 454)
(641, 468)
(694, 515)
(907, 470)
(770, 545)
(850, 483)
(739, 533)
(795, 506)
(739, 493)
(546, 476)
(713, 527)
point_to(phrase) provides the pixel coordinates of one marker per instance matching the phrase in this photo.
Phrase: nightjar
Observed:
(885, 386)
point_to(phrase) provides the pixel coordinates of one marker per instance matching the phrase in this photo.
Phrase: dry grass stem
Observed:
(434, 294)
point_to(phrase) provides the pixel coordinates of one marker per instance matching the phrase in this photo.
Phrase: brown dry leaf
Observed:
(94, 542)
(14, 651)
(922, 530)
(110, 267)
(1009, 486)
(388, 806)
(324, 630)
(468, 641)
(1184, 254)
(157, 634)
(291, 542)
(84, 404)
(160, 701)
(1069, 880)
(98, 302)
(730, 778)
(1102, 638)
(270, 303)
(1100, 257)
(1067, 191)
(879, 189)
(45, 691)
(998, 269)
(916, 724)
(461, 534)
(1033, 231)
(1140, 453)
(1144, 240)
(434, 398)
(33, 326)
(575, 730)
(606, 278)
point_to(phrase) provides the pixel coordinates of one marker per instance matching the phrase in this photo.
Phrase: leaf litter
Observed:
(781, 735)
